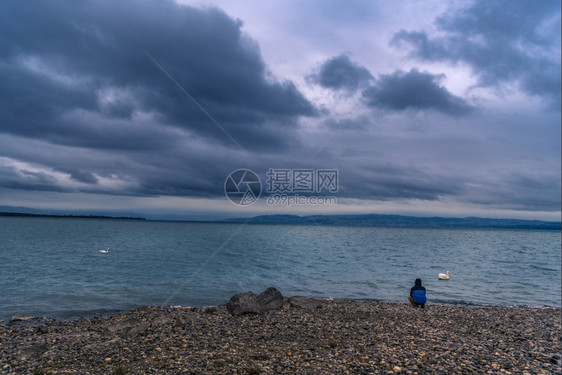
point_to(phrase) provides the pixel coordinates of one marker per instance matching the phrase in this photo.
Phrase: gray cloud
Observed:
(83, 109)
(15, 178)
(82, 176)
(394, 181)
(518, 191)
(503, 41)
(82, 98)
(415, 90)
(79, 74)
(412, 90)
(341, 73)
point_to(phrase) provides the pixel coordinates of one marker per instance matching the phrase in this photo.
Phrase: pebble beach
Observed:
(305, 336)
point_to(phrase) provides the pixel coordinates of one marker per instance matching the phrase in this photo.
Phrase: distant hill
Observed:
(376, 220)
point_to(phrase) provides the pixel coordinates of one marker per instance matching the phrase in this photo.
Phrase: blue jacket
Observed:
(417, 292)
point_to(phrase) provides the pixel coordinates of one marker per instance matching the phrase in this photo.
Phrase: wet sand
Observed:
(304, 337)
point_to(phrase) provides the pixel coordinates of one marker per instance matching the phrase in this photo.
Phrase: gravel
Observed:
(304, 337)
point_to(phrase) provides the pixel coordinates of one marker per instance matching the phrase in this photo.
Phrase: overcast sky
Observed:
(424, 108)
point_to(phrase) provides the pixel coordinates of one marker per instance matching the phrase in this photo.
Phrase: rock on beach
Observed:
(249, 303)
(302, 336)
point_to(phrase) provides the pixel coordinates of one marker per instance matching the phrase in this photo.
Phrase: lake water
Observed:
(53, 267)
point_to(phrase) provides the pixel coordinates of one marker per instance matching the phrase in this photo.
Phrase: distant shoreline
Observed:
(20, 214)
(368, 220)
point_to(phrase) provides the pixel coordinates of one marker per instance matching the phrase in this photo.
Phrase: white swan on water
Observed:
(443, 276)
(104, 250)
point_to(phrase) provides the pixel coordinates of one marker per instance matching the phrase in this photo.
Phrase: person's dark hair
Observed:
(418, 281)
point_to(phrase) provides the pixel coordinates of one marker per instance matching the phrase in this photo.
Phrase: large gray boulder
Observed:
(270, 299)
(243, 303)
(250, 303)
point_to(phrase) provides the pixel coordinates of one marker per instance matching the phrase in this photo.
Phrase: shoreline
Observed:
(106, 313)
(306, 336)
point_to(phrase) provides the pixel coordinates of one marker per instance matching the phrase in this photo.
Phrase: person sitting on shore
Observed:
(417, 294)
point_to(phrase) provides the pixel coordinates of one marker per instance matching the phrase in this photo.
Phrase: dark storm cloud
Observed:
(82, 176)
(16, 178)
(79, 74)
(393, 181)
(537, 191)
(524, 190)
(341, 73)
(82, 100)
(502, 41)
(415, 90)
(85, 109)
